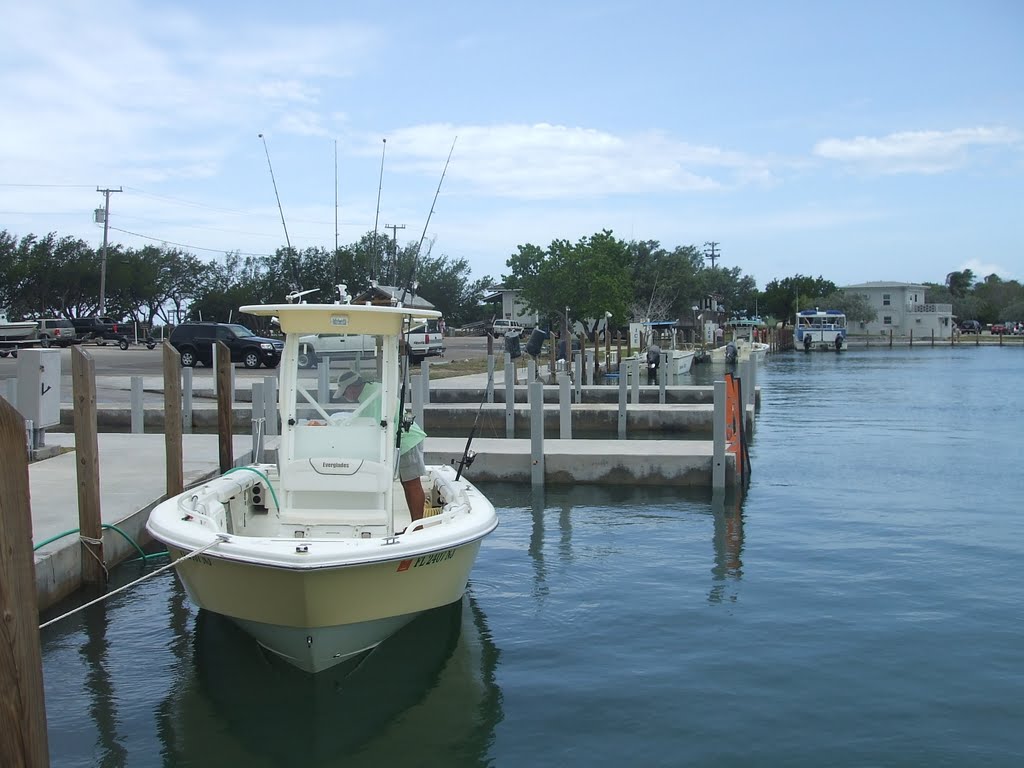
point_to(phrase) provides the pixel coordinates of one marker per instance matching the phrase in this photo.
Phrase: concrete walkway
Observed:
(132, 479)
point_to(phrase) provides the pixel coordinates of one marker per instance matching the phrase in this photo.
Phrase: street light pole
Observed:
(103, 258)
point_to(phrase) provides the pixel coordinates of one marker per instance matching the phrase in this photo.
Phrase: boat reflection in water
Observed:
(428, 690)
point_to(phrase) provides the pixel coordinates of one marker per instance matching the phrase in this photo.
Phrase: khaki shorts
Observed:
(411, 465)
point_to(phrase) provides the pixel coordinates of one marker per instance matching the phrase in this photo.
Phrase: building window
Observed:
(887, 320)
(885, 300)
(917, 320)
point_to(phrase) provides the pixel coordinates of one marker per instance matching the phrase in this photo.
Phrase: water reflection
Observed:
(659, 507)
(98, 684)
(727, 510)
(429, 690)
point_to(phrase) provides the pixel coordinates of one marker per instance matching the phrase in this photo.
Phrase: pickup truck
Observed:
(334, 346)
(101, 330)
(425, 340)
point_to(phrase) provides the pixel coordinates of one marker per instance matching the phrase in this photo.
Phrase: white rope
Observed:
(221, 537)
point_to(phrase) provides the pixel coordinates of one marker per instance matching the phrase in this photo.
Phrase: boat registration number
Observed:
(419, 562)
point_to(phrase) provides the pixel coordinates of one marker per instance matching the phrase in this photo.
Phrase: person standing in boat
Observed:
(353, 388)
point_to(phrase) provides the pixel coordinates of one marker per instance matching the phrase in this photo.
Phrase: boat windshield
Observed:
(338, 412)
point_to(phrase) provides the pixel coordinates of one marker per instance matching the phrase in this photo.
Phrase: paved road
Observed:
(114, 366)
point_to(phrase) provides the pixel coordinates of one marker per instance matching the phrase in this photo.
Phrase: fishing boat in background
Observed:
(648, 336)
(317, 556)
(744, 344)
(820, 329)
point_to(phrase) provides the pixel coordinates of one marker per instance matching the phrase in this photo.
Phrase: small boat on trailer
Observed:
(318, 556)
(820, 329)
(15, 335)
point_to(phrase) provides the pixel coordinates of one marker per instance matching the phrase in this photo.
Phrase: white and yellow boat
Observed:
(317, 556)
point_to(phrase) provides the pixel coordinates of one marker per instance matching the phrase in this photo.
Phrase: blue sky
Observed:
(853, 140)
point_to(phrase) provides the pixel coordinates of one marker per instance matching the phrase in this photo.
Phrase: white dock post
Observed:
(323, 383)
(579, 377)
(564, 408)
(186, 400)
(536, 434)
(138, 414)
(663, 374)
(11, 395)
(590, 367)
(531, 376)
(718, 458)
(425, 381)
(270, 404)
(490, 378)
(622, 406)
(634, 371)
(510, 397)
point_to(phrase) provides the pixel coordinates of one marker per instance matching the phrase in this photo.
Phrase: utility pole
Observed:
(103, 259)
(711, 253)
(394, 241)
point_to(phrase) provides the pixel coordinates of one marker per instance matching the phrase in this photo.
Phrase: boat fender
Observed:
(839, 343)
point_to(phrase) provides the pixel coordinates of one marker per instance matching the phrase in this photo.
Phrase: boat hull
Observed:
(25, 331)
(317, 618)
(680, 361)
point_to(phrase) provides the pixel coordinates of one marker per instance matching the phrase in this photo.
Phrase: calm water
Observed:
(862, 606)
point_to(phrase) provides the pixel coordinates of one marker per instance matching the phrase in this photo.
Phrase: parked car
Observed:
(970, 326)
(101, 330)
(57, 331)
(501, 326)
(194, 342)
(998, 329)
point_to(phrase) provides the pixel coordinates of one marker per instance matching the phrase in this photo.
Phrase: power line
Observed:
(187, 245)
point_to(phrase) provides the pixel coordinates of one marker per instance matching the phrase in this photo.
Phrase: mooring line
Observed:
(221, 537)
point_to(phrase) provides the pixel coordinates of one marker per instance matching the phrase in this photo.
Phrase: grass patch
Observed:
(457, 368)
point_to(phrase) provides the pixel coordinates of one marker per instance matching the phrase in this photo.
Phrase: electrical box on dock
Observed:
(39, 386)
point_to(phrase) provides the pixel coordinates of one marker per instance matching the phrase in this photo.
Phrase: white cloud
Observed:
(543, 161)
(80, 86)
(915, 151)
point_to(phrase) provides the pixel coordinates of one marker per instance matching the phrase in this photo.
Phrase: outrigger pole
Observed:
(296, 286)
(376, 219)
(412, 279)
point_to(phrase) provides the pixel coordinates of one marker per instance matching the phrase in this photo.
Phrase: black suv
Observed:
(194, 342)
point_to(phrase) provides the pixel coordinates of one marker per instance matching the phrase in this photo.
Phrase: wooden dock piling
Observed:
(23, 739)
(90, 528)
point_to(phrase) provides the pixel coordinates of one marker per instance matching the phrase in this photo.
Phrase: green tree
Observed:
(587, 278)
(780, 297)
(959, 283)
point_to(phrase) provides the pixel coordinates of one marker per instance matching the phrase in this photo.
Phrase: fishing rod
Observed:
(416, 257)
(467, 455)
(296, 285)
(412, 281)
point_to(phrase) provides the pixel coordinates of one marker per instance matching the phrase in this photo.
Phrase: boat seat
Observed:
(334, 491)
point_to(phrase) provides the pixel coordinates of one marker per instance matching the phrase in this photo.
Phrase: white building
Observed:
(902, 310)
(511, 306)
